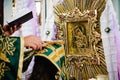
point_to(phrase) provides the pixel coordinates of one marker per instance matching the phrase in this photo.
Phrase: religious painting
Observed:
(79, 27)
(77, 38)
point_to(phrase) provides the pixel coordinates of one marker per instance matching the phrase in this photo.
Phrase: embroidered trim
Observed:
(21, 59)
(3, 68)
(8, 45)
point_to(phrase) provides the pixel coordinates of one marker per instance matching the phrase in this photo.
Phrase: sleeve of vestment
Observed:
(11, 57)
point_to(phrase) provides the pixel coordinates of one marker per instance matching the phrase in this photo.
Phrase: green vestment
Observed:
(12, 56)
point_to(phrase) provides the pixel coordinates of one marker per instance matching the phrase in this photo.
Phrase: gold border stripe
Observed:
(21, 59)
(59, 53)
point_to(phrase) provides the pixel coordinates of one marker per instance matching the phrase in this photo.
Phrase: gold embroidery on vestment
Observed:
(8, 46)
(3, 68)
(4, 57)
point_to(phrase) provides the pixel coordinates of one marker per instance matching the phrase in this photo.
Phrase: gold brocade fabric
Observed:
(10, 57)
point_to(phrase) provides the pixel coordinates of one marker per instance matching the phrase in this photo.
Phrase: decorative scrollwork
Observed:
(79, 26)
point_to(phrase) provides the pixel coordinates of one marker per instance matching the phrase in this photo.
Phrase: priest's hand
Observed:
(33, 42)
(10, 30)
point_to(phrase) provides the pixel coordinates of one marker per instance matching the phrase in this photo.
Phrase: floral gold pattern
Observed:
(4, 57)
(3, 68)
(8, 47)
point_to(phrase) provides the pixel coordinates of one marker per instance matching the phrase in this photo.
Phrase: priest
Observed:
(13, 58)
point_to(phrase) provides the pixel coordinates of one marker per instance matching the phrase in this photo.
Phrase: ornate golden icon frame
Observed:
(79, 27)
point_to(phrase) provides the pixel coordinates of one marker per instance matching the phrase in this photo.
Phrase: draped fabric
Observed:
(55, 53)
(11, 57)
(113, 22)
(48, 62)
(111, 40)
(117, 43)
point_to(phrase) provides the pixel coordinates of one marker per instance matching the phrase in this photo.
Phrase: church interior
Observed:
(89, 29)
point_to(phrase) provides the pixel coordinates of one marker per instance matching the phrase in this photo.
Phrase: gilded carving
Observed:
(78, 23)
